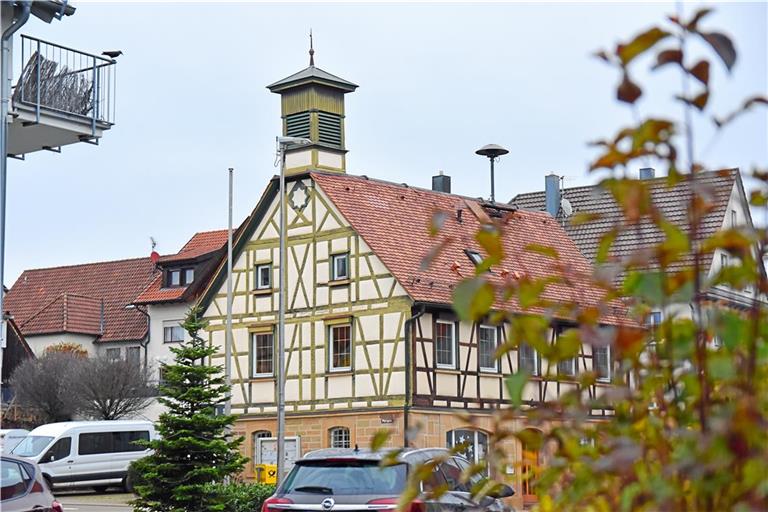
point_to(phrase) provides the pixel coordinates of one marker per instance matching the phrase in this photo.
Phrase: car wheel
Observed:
(128, 483)
(100, 488)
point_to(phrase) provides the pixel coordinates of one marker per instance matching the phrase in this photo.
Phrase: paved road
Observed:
(110, 501)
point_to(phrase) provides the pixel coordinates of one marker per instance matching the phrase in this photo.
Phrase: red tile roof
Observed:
(200, 244)
(394, 220)
(71, 298)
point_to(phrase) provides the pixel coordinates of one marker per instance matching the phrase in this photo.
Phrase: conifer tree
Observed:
(194, 448)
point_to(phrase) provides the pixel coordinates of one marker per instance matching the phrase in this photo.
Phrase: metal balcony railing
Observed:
(58, 79)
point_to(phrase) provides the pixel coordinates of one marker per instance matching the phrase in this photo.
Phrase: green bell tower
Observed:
(312, 107)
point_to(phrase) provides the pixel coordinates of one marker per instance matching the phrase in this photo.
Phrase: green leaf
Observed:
(489, 239)
(473, 298)
(515, 384)
(543, 250)
(567, 345)
(604, 247)
(723, 46)
(380, 438)
(640, 44)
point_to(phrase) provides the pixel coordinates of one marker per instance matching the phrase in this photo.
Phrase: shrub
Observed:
(242, 496)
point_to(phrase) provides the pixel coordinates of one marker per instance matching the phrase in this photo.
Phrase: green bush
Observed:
(135, 473)
(242, 496)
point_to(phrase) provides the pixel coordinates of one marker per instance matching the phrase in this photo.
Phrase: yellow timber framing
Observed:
(371, 301)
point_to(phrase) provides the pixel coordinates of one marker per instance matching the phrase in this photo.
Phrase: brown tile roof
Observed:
(394, 221)
(70, 298)
(200, 244)
(671, 201)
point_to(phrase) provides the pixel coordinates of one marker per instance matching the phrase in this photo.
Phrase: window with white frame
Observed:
(338, 437)
(340, 347)
(340, 267)
(733, 218)
(601, 363)
(262, 354)
(567, 367)
(475, 443)
(487, 348)
(653, 322)
(263, 276)
(528, 359)
(172, 332)
(133, 355)
(445, 344)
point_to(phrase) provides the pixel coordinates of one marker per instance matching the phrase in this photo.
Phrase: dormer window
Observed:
(179, 277)
(474, 256)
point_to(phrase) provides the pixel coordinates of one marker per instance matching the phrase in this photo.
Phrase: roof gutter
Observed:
(409, 372)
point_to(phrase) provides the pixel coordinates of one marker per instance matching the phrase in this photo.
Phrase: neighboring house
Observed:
(724, 189)
(83, 304)
(371, 339)
(16, 352)
(168, 297)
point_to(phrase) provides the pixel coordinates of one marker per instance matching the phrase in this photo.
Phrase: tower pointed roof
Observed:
(312, 74)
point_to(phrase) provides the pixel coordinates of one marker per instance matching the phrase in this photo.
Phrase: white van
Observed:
(10, 437)
(86, 453)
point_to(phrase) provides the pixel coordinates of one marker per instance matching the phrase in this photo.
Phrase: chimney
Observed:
(647, 173)
(441, 183)
(552, 194)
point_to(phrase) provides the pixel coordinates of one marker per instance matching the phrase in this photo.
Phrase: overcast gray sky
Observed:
(437, 81)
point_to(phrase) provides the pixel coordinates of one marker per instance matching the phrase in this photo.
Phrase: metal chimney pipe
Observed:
(552, 194)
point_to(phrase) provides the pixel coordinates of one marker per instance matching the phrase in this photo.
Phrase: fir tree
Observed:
(193, 448)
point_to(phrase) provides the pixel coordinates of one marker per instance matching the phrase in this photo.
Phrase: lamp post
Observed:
(282, 144)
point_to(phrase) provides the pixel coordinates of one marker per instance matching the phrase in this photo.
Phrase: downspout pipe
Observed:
(5, 98)
(409, 372)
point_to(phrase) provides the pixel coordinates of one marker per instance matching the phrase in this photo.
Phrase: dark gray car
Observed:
(347, 480)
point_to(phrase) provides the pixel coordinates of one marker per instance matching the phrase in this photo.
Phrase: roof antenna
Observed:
(311, 50)
(493, 152)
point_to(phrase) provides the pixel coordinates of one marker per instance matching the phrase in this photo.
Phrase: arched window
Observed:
(476, 442)
(338, 437)
(531, 440)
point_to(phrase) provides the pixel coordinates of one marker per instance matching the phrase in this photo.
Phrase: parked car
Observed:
(10, 437)
(351, 480)
(87, 453)
(23, 487)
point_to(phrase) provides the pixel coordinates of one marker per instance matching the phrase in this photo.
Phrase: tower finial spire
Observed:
(311, 50)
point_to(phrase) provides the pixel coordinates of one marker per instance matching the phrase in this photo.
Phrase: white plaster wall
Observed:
(38, 343)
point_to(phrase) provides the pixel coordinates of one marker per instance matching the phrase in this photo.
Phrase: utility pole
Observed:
(228, 330)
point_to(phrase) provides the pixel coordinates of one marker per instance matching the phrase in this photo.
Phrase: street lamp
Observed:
(283, 143)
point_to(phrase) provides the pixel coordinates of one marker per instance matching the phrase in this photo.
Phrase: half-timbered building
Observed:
(371, 338)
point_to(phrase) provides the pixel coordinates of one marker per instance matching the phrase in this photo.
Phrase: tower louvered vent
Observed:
(297, 125)
(329, 128)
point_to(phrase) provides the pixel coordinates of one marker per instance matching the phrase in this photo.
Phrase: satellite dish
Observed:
(565, 204)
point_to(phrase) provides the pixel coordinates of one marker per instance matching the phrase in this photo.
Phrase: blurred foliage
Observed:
(67, 347)
(689, 400)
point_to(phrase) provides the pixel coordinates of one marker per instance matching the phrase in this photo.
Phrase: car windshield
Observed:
(346, 477)
(32, 446)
